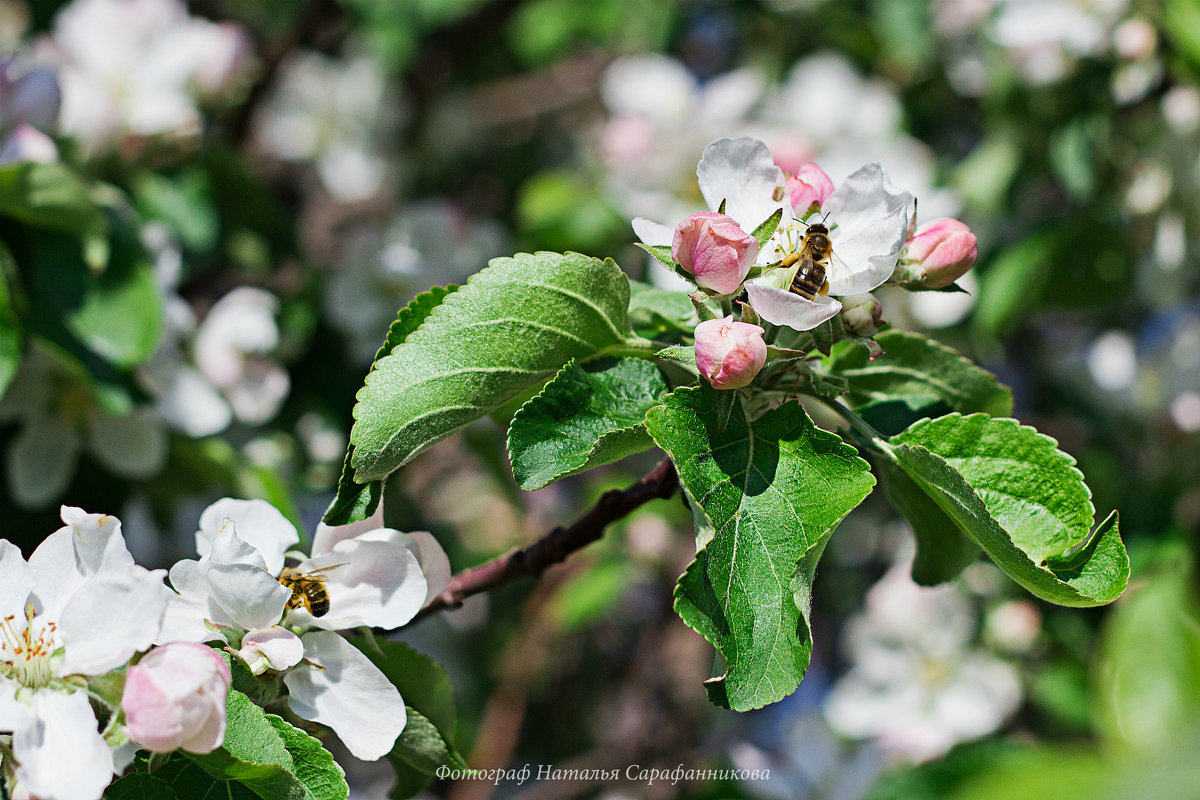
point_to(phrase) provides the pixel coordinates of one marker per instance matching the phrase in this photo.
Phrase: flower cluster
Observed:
(851, 240)
(80, 617)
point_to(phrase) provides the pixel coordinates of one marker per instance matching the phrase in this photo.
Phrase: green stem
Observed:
(726, 306)
(635, 348)
(859, 424)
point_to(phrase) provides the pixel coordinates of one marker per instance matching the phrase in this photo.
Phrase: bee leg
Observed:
(790, 258)
(824, 289)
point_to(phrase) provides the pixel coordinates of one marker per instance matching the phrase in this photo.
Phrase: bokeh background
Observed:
(275, 178)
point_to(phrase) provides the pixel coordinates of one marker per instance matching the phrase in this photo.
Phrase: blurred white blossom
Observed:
(29, 106)
(334, 114)
(916, 684)
(136, 68)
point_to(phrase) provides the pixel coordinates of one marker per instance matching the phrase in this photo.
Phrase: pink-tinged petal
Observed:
(941, 252)
(256, 522)
(274, 648)
(16, 579)
(742, 173)
(370, 582)
(653, 233)
(27, 143)
(729, 354)
(329, 535)
(786, 308)
(871, 254)
(251, 597)
(60, 755)
(174, 698)
(111, 617)
(808, 187)
(715, 249)
(348, 693)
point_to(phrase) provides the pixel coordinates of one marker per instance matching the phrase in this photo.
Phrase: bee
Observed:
(308, 589)
(816, 258)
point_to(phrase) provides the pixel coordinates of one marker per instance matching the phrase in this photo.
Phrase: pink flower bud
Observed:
(729, 354)
(862, 315)
(715, 249)
(808, 189)
(175, 699)
(939, 253)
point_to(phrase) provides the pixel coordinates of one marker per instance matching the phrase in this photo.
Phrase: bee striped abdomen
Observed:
(808, 283)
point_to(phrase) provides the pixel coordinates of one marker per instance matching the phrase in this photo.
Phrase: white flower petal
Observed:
(435, 564)
(347, 693)
(60, 754)
(256, 522)
(87, 545)
(864, 197)
(16, 579)
(871, 253)
(250, 596)
(184, 621)
(742, 173)
(786, 308)
(109, 618)
(370, 582)
(653, 233)
(329, 535)
(274, 648)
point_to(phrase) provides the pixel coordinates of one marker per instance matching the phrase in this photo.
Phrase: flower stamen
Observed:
(28, 651)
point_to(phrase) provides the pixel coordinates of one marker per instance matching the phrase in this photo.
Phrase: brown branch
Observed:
(661, 482)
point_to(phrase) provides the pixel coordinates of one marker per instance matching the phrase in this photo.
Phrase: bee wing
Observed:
(838, 272)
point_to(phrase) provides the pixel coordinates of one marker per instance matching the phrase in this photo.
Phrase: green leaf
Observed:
(773, 490)
(357, 501)
(655, 312)
(12, 337)
(422, 746)
(514, 324)
(918, 370)
(116, 314)
(1147, 703)
(763, 233)
(313, 765)
(590, 414)
(1020, 498)
(942, 550)
(183, 202)
(53, 197)
(140, 786)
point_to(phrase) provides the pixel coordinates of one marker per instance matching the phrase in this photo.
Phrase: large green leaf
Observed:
(590, 414)
(942, 550)
(313, 765)
(773, 490)
(1020, 498)
(357, 501)
(140, 786)
(918, 370)
(1147, 703)
(656, 312)
(514, 324)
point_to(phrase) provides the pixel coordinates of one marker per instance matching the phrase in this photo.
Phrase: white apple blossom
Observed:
(134, 68)
(78, 607)
(917, 686)
(329, 112)
(375, 577)
(868, 219)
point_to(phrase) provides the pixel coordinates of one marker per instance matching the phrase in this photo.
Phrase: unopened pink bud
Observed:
(715, 249)
(729, 354)
(939, 253)
(808, 188)
(862, 314)
(175, 699)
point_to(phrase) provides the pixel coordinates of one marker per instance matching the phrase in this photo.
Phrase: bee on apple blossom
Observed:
(816, 258)
(308, 589)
